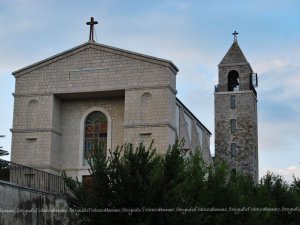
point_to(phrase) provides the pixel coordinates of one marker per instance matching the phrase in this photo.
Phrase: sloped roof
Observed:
(234, 55)
(98, 46)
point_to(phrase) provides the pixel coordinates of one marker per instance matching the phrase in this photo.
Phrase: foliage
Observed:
(139, 187)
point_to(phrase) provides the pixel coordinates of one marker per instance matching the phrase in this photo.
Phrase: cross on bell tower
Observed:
(235, 36)
(91, 24)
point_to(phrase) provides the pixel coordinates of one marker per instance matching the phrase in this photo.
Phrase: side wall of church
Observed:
(195, 135)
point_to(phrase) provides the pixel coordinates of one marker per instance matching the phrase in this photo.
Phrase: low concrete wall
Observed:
(25, 206)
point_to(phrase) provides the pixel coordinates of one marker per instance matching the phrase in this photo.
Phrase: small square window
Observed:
(232, 102)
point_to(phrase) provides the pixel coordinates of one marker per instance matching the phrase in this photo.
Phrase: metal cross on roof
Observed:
(91, 24)
(235, 36)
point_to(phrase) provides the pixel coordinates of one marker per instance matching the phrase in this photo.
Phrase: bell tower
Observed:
(236, 140)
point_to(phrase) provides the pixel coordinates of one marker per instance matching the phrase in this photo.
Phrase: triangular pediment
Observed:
(101, 47)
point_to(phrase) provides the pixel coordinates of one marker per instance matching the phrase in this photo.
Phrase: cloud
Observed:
(279, 102)
(20, 16)
(280, 136)
(280, 80)
(287, 173)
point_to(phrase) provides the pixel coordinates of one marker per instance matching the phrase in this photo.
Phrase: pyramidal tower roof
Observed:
(234, 55)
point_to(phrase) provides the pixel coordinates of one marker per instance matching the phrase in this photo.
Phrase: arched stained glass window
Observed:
(95, 128)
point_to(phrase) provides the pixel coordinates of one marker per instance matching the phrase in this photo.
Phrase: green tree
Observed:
(130, 178)
(138, 178)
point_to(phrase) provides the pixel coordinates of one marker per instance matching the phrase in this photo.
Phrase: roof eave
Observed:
(49, 60)
(82, 47)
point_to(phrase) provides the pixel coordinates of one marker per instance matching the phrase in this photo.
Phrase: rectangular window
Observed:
(177, 116)
(254, 80)
(233, 125)
(233, 149)
(200, 135)
(232, 102)
(188, 123)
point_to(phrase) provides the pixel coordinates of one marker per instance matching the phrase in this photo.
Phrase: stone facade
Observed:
(236, 114)
(53, 97)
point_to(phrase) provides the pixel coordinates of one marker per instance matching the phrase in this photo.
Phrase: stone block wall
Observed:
(94, 68)
(32, 148)
(162, 135)
(245, 135)
(34, 127)
(149, 114)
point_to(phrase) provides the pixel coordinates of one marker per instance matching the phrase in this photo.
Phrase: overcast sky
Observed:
(194, 35)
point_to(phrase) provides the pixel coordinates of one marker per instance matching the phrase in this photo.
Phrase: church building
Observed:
(95, 93)
(236, 139)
